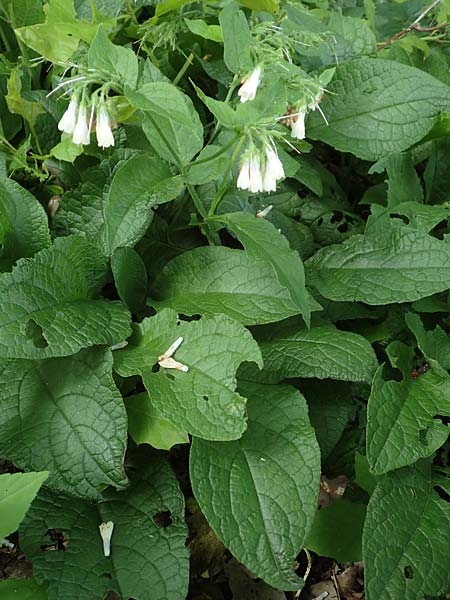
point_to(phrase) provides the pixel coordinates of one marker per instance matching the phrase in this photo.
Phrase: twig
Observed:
(415, 25)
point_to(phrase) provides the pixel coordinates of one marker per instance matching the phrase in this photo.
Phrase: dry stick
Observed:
(414, 25)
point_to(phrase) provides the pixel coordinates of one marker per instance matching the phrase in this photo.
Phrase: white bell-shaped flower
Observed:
(298, 126)
(81, 131)
(105, 137)
(68, 120)
(243, 180)
(269, 181)
(256, 179)
(247, 91)
(273, 163)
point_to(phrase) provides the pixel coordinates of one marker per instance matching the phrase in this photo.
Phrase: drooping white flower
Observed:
(247, 91)
(105, 137)
(69, 118)
(256, 179)
(243, 180)
(273, 163)
(314, 104)
(298, 126)
(269, 181)
(106, 530)
(81, 131)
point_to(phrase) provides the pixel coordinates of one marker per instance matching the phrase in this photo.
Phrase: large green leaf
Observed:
(17, 491)
(148, 558)
(65, 415)
(113, 61)
(202, 400)
(406, 533)
(322, 352)
(376, 107)
(172, 125)
(259, 493)
(49, 306)
(130, 277)
(237, 39)
(58, 38)
(401, 419)
(214, 280)
(393, 263)
(23, 224)
(137, 186)
(263, 241)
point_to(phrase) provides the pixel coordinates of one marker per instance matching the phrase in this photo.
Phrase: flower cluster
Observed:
(260, 171)
(75, 121)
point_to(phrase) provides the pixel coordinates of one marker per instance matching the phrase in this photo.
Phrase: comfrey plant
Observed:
(224, 286)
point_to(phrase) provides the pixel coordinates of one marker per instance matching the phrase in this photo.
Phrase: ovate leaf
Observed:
(377, 107)
(173, 126)
(403, 421)
(148, 557)
(237, 39)
(146, 426)
(201, 28)
(49, 306)
(391, 264)
(202, 400)
(137, 186)
(214, 280)
(114, 61)
(322, 352)
(65, 415)
(405, 540)
(263, 242)
(130, 277)
(23, 224)
(17, 491)
(259, 493)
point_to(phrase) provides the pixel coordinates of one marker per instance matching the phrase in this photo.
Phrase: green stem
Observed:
(223, 186)
(184, 68)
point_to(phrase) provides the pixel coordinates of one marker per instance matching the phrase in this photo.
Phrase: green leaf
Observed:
(213, 280)
(17, 491)
(168, 5)
(113, 61)
(65, 415)
(378, 107)
(264, 243)
(322, 352)
(437, 172)
(66, 149)
(23, 224)
(49, 306)
(392, 264)
(352, 38)
(58, 38)
(363, 477)
(201, 28)
(434, 344)
(403, 183)
(237, 39)
(259, 493)
(405, 540)
(17, 104)
(271, 6)
(137, 186)
(401, 419)
(22, 589)
(172, 124)
(130, 277)
(148, 558)
(337, 530)
(202, 400)
(146, 426)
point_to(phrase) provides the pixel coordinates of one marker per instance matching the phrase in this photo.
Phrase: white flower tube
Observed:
(81, 131)
(269, 181)
(105, 137)
(247, 91)
(298, 126)
(68, 120)
(243, 180)
(274, 164)
(256, 180)
(106, 530)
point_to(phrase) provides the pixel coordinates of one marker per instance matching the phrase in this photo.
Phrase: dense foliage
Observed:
(225, 274)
